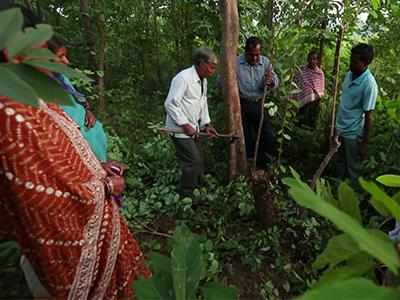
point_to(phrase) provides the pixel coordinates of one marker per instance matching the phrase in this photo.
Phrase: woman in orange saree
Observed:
(55, 201)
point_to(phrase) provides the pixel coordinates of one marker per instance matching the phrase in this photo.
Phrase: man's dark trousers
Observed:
(348, 160)
(189, 154)
(251, 114)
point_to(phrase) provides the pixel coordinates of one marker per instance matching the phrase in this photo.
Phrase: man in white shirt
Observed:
(187, 110)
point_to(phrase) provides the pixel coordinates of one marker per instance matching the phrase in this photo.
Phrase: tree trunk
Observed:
(28, 4)
(270, 15)
(189, 40)
(270, 26)
(322, 40)
(87, 28)
(335, 74)
(100, 63)
(97, 62)
(157, 40)
(230, 36)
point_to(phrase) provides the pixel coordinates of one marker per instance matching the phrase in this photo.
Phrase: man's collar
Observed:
(242, 60)
(195, 76)
(359, 80)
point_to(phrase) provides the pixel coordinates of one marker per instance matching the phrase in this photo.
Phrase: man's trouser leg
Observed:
(347, 161)
(310, 113)
(267, 141)
(247, 121)
(190, 158)
(353, 159)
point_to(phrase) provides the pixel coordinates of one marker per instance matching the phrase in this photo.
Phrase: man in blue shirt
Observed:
(354, 119)
(254, 71)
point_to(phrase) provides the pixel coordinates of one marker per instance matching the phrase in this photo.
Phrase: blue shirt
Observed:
(251, 78)
(358, 96)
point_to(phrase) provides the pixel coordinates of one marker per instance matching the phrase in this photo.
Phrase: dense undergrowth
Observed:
(261, 263)
(267, 263)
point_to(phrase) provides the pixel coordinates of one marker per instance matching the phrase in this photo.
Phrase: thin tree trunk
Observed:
(98, 62)
(189, 40)
(157, 39)
(270, 15)
(87, 28)
(270, 26)
(322, 41)
(230, 36)
(28, 4)
(101, 62)
(335, 74)
(40, 11)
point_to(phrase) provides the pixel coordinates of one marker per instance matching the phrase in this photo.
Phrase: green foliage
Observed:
(379, 195)
(44, 87)
(30, 37)
(389, 180)
(376, 246)
(348, 201)
(186, 263)
(348, 255)
(178, 277)
(13, 87)
(22, 82)
(218, 291)
(355, 288)
(339, 249)
(10, 25)
(9, 257)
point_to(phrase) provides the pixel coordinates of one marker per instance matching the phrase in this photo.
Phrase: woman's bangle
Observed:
(110, 185)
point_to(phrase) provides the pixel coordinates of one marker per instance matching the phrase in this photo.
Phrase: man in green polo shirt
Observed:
(354, 119)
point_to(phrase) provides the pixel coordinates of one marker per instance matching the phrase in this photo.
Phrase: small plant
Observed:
(178, 276)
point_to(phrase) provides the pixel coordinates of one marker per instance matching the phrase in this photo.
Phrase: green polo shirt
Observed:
(358, 96)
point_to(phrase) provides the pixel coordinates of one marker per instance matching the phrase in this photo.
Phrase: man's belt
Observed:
(252, 100)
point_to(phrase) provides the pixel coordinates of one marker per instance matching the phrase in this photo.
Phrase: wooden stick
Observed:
(324, 163)
(259, 129)
(174, 130)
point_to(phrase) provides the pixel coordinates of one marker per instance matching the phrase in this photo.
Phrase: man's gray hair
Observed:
(204, 54)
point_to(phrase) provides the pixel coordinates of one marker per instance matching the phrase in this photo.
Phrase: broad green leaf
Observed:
(383, 251)
(57, 68)
(10, 24)
(41, 54)
(381, 196)
(389, 180)
(339, 248)
(162, 274)
(11, 86)
(31, 37)
(187, 263)
(145, 289)
(350, 271)
(45, 87)
(396, 197)
(380, 208)
(349, 201)
(289, 181)
(218, 291)
(354, 288)
(296, 176)
(323, 190)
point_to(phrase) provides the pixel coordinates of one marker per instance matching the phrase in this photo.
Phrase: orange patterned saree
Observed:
(52, 203)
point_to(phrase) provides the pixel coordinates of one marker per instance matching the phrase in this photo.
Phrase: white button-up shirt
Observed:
(186, 102)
